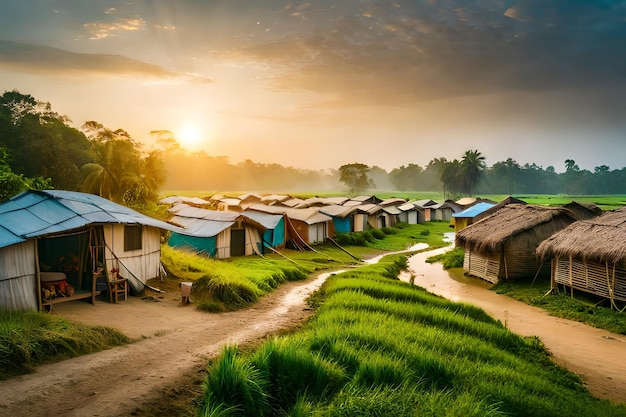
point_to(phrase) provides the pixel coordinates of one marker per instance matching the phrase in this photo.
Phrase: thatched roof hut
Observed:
(590, 255)
(503, 245)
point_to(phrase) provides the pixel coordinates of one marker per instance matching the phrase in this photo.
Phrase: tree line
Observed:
(40, 149)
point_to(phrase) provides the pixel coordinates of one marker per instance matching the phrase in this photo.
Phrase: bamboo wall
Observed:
(606, 280)
(487, 268)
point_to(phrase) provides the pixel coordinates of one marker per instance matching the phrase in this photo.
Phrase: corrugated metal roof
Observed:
(424, 203)
(199, 213)
(474, 211)
(369, 208)
(201, 227)
(392, 210)
(394, 201)
(407, 207)
(181, 199)
(308, 215)
(335, 210)
(202, 222)
(39, 213)
(269, 221)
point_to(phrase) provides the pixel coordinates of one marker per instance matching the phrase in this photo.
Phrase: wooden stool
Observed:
(117, 287)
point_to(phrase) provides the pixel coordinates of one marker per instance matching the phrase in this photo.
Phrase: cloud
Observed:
(409, 51)
(102, 30)
(37, 58)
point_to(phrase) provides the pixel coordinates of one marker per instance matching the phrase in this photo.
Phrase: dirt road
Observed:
(174, 340)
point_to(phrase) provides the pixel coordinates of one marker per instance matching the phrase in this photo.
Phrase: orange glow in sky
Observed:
(318, 84)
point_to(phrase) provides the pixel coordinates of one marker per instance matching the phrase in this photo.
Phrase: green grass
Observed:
(378, 346)
(450, 259)
(222, 285)
(581, 307)
(28, 339)
(431, 233)
(605, 202)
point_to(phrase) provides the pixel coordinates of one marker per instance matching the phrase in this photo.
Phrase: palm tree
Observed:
(116, 164)
(439, 165)
(472, 167)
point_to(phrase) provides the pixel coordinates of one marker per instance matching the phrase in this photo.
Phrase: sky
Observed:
(318, 84)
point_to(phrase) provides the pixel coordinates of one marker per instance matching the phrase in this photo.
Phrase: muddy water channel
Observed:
(598, 356)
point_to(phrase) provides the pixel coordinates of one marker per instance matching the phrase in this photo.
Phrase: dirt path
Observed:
(176, 340)
(173, 340)
(596, 355)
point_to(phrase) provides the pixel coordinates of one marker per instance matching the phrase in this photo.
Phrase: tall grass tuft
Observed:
(294, 371)
(28, 339)
(234, 386)
(379, 369)
(227, 289)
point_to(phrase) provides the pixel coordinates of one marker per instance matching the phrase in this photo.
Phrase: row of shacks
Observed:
(221, 227)
(55, 237)
(577, 245)
(47, 234)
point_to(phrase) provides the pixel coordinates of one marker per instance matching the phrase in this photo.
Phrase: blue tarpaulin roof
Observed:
(38, 213)
(474, 210)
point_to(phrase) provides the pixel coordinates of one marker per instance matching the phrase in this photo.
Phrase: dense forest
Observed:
(40, 149)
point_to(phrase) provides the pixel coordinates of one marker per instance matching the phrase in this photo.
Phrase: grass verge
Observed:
(28, 339)
(581, 307)
(379, 346)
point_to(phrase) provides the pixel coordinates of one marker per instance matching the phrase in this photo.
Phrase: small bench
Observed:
(59, 279)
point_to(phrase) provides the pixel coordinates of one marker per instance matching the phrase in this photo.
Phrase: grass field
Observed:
(378, 346)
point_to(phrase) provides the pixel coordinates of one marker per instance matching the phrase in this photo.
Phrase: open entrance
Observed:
(67, 263)
(237, 242)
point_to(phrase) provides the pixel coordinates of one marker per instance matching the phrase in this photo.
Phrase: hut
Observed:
(590, 256)
(503, 245)
(427, 209)
(389, 216)
(304, 226)
(223, 234)
(74, 238)
(441, 212)
(367, 217)
(466, 217)
(411, 214)
(343, 217)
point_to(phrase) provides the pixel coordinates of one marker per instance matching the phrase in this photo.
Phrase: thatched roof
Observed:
(583, 210)
(601, 238)
(490, 233)
(505, 202)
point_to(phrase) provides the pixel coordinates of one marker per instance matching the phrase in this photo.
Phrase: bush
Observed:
(450, 259)
(378, 233)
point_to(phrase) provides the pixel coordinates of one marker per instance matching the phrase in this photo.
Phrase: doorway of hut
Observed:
(237, 242)
(74, 254)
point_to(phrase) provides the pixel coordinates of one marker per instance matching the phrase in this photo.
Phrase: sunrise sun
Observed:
(190, 136)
